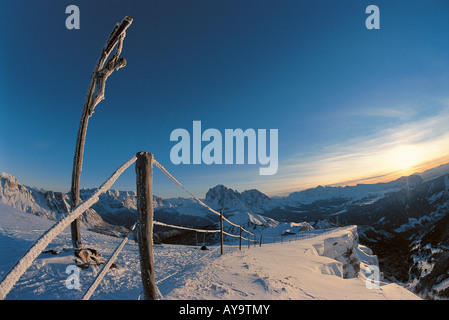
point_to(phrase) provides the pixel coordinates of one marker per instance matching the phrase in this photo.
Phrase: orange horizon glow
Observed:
(383, 156)
(381, 177)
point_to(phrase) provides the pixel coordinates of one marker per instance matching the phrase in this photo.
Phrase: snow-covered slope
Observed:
(322, 267)
(308, 269)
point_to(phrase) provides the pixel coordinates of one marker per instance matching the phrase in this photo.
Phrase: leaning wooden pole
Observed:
(144, 188)
(95, 94)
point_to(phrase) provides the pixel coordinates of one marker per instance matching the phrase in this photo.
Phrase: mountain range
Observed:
(405, 222)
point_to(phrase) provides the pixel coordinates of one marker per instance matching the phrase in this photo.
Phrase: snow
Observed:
(295, 270)
(298, 269)
(28, 258)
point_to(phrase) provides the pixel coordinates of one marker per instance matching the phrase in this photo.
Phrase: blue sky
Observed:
(349, 103)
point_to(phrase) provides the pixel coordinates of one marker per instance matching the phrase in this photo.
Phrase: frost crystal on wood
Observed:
(95, 94)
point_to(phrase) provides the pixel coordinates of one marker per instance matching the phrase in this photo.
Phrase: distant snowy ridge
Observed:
(48, 204)
(357, 192)
(119, 208)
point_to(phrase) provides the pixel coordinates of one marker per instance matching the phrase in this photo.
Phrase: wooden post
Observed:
(221, 230)
(260, 241)
(144, 188)
(95, 94)
(240, 243)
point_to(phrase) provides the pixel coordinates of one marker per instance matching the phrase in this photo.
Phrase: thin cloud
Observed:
(402, 112)
(366, 158)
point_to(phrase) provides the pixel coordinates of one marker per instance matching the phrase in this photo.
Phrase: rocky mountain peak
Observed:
(221, 197)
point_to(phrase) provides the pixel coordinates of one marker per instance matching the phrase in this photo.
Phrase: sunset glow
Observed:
(404, 157)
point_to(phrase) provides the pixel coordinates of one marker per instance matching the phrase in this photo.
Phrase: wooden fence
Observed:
(145, 222)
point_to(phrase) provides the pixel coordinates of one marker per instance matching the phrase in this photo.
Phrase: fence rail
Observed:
(144, 165)
(25, 262)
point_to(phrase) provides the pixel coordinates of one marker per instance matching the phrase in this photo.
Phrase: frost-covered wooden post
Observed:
(95, 94)
(240, 242)
(221, 231)
(144, 188)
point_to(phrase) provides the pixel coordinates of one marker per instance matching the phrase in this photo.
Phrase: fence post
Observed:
(260, 243)
(221, 230)
(144, 188)
(240, 242)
